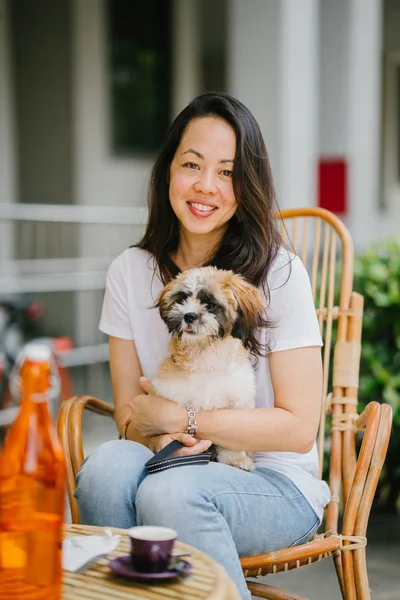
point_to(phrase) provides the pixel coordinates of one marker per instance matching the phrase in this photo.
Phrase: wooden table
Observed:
(208, 580)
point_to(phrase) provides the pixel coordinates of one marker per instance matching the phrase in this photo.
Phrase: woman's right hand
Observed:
(191, 447)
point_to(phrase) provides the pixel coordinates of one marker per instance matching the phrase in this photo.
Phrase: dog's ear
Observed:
(250, 307)
(238, 329)
(163, 300)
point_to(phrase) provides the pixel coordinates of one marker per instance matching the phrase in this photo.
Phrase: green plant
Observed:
(377, 277)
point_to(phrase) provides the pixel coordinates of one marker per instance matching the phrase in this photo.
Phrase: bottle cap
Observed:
(37, 352)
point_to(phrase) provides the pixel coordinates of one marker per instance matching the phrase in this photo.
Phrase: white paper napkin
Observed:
(81, 551)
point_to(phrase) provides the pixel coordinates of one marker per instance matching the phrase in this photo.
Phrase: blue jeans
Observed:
(221, 510)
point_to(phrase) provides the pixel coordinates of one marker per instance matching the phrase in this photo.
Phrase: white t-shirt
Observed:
(129, 313)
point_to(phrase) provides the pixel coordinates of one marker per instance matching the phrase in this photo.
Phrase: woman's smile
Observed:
(200, 209)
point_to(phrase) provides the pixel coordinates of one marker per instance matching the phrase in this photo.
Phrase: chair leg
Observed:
(378, 457)
(337, 560)
(348, 575)
(261, 590)
(361, 574)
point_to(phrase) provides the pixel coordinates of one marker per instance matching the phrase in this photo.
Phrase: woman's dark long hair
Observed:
(251, 241)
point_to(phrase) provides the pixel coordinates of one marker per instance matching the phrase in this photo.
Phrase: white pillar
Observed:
(333, 79)
(364, 85)
(252, 64)
(273, 68)
(7, 129)
(298, 103)
(185, 53)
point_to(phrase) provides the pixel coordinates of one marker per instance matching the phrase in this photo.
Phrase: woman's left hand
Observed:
(153, 415)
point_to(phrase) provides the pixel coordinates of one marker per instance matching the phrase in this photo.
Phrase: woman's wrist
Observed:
(179, 420)
(153, 443)
(191, 428)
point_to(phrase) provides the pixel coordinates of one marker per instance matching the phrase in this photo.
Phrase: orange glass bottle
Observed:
(32, 491)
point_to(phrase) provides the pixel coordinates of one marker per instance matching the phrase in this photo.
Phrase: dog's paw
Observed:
(245, 463)
(239, 459)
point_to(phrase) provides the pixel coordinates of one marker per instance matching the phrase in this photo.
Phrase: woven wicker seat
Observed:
(325, 246)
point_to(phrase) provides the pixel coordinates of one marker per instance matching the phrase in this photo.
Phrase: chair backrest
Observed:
(325, 246)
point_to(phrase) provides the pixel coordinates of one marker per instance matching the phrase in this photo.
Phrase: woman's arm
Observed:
(291, 426)
(125, 375)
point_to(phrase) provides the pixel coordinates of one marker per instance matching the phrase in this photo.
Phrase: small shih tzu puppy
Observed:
(209, 311)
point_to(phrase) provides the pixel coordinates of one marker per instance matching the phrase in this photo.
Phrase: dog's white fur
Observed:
(208, 368)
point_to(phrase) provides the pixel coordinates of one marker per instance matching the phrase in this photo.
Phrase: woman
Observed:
(212, 201)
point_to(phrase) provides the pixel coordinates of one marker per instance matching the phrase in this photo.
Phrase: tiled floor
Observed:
(318, 581)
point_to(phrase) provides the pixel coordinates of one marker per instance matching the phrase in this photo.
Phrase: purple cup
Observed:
(151, 548)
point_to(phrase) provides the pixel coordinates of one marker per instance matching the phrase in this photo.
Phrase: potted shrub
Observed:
(377, 277)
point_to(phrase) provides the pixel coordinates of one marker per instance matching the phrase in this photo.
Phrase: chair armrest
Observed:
(362, 419)
(94, 405)
(69, 427)
(79, 404)
(376, 421)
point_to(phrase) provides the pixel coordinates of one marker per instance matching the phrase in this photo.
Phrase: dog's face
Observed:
(208, 303)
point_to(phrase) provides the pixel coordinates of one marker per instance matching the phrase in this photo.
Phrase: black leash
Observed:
(163, 459)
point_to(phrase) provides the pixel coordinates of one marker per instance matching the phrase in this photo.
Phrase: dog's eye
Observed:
(212, 307)
(180, 297)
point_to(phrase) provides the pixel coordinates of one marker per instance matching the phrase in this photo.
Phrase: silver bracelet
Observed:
(192, 424)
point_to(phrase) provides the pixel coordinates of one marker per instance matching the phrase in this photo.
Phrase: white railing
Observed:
(45, 236)
(64, 248)
(85, 355)
(74, 213)
(53, 275)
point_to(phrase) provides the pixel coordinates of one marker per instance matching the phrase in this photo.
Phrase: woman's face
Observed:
(201, 188)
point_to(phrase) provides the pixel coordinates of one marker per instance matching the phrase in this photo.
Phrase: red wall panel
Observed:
(332, 184)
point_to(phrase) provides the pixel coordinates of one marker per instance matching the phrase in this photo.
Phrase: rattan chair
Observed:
(325, 247)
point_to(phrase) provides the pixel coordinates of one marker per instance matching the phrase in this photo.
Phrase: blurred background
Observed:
(87, 90)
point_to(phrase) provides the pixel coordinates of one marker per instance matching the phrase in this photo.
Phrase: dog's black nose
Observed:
(190, 317)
